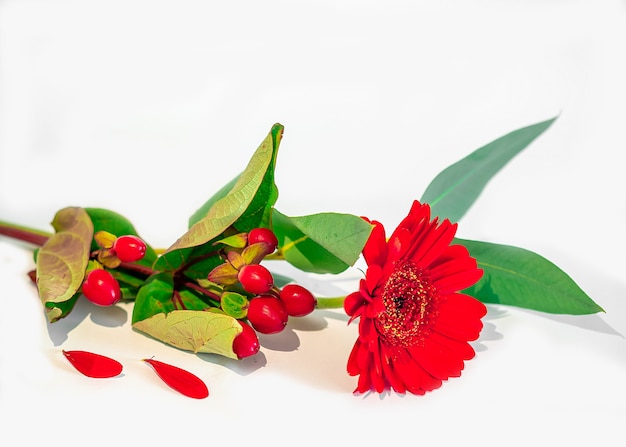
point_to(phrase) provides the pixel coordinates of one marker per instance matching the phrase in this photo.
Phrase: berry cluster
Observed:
(248, 291)
(268, 307)
(99, 286)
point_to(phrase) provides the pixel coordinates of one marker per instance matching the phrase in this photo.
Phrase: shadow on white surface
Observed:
(113, 316)
(241, 367)
(593, 322)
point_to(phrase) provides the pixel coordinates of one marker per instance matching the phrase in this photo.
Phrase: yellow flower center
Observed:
(408, 297)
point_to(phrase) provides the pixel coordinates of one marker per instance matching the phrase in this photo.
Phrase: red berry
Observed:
(297, 300)
(129, 248)
(267, 314)
(266, 235)
(246, 343)
(101, 288)
(255, 278)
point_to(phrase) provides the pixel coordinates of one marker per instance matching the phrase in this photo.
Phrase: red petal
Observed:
(182, 381)
(373, 279)
(416, 379)
(434, 244)
(398, 243)
(458, 281)
(353, 362)
(459, 317)
(452, 252)
(452, 266)
(353, 304)
(375, 250)
(437, 360)
(389, 372)
(458, 348)
(93, 365)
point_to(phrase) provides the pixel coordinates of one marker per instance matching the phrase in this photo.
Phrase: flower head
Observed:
(414, 325)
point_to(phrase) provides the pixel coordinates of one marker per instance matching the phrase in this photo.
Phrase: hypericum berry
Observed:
(267, 314)
(263, 235)
(255, 278)
(246, 343)
(101, 288)
(129, 248)
(298, 301)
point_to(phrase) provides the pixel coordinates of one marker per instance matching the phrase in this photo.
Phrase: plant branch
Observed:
(24, 234)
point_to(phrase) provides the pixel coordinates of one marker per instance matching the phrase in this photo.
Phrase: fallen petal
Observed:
(93, 365)
(179, 379)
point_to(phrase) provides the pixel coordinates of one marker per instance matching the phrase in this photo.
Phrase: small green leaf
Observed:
(154, 297)
(62, 260)
(234, 304)
(321, 243)
(193, 330)
(250, 198)
(56, 311)
(453, 191)
(238, 240)
(192, 300)
(518, 277)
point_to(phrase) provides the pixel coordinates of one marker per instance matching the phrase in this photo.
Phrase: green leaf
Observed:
(130, 282)
(62, 260)
(247, 202)
(154, 297)
(192, 300)
(56, 311)
(195, 262)
(115, 223)
(321, 243)
(453, 191)
(193, 330)
(518, 277)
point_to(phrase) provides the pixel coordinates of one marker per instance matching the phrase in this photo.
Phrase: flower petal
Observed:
(416, 379)
(375, 249)
(461, 349)
(353, 304)
(459, 317)
(458, 281)
(433, 245)
(437, 360)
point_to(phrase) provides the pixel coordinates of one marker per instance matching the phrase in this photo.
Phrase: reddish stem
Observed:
(24, 234)
(39, 238)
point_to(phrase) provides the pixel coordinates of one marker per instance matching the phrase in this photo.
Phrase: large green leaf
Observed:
(453, 191)
(248, 200)
(193, 330)
(321, 243)
(518, 277)
(62, 260)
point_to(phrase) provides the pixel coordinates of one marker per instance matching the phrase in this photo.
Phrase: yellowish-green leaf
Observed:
(223, 211)
(62, 260)
(193, 330)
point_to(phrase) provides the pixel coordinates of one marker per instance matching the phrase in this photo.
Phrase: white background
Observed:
(149, 107)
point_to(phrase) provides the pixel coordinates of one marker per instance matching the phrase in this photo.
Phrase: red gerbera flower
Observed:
(414, 325)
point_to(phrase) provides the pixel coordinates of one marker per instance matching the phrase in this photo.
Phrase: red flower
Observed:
(414, 325)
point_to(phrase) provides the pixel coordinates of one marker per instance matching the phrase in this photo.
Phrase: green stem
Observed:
(276, 256)
(24, 234)
(335, 302)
